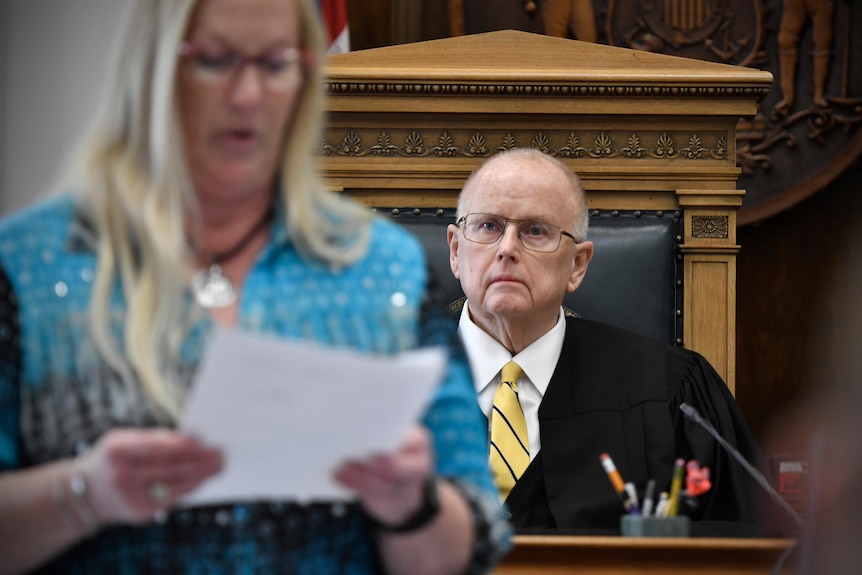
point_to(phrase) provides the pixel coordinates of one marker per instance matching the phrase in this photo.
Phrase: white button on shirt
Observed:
(538, 360)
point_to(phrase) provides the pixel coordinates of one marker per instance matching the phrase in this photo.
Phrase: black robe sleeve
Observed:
(736, 504)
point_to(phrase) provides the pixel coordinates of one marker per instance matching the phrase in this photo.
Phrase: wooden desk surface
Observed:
(572, 555)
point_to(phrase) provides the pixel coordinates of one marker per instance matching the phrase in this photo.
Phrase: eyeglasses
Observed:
(281, 70)
(534, 235)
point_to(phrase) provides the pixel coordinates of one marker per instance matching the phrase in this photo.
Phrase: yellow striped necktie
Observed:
(510, 448)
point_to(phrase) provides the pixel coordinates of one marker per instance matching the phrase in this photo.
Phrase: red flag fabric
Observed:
(334, 13)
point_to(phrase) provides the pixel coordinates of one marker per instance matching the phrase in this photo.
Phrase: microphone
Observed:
(692, 414)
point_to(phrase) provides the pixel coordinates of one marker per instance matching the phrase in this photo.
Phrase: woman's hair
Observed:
(136, 193)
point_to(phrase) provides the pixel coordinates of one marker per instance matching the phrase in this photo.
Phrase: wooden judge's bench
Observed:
(407, 124)
(569, 555)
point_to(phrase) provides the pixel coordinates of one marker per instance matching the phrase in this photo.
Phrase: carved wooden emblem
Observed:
(712, 227)
(808, 128)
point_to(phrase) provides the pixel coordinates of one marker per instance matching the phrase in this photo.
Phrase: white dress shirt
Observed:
(538, 360)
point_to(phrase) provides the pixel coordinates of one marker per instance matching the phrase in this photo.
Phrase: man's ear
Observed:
(582, 257)
(452, 239)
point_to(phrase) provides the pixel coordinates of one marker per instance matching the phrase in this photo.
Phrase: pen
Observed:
(675, 488)
(648, 495)
(632, 503)
(617, 481)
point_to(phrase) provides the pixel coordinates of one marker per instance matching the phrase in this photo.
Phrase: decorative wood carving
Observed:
(476, 144)
(710, 227)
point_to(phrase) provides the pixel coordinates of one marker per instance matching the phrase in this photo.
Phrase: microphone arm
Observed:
(692, 414)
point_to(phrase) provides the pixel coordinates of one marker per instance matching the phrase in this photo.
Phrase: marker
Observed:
(648, 495)
(675, 488)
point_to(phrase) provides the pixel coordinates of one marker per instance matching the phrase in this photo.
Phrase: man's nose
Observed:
(509, 241)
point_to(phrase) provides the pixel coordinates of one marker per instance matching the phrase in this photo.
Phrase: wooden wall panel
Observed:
(369, 22)
(377, 23)
(795, 273)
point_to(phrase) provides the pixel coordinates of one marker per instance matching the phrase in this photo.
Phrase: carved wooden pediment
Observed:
(433, 109)
(521, 64)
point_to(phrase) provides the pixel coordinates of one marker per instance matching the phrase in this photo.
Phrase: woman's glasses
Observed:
(282, 70)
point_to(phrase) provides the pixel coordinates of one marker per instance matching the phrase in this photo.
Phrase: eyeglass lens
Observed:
(281, 70)
(534, 235)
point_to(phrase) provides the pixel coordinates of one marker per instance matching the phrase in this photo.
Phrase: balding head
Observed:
(575, 202)
(519, 245)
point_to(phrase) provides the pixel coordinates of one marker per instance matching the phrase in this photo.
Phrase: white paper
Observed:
(287, 414)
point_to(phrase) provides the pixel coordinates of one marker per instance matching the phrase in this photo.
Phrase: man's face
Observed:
(503, 280)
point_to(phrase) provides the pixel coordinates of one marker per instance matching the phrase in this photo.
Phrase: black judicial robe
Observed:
(618, 392)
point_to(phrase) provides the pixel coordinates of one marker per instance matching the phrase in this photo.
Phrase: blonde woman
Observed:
(196, 204)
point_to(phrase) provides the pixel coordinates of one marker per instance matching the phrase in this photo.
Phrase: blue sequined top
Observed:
(58, 396)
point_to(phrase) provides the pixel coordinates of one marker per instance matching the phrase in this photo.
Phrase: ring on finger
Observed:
(158, 491)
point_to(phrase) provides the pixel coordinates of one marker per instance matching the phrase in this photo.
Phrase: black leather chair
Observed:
(634, 280)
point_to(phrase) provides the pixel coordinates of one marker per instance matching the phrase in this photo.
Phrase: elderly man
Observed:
(583, 388)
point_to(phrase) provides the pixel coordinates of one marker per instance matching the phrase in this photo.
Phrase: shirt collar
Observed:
(488, 356)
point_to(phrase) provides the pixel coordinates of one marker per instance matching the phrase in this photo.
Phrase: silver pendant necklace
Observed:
(212, 288)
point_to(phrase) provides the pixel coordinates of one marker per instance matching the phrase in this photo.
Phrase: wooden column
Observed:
(709, 250)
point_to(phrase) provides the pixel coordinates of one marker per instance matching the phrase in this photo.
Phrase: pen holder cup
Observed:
(638, 526)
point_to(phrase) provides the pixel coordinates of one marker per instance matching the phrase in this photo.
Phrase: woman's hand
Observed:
(390, 486)
(133, 473)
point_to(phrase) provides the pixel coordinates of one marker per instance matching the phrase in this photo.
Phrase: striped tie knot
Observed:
(510, 374)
